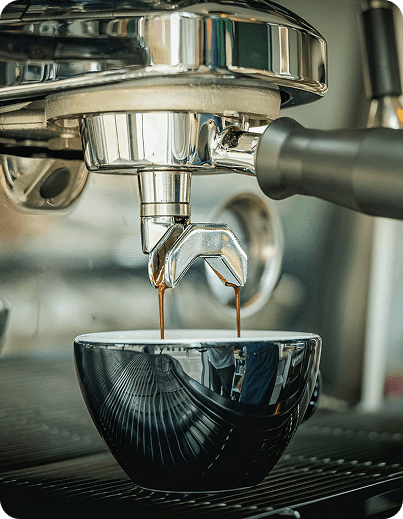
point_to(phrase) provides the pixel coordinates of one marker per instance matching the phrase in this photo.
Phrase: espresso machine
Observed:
(147, 104)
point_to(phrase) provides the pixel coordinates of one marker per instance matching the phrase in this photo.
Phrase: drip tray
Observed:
(53, 461)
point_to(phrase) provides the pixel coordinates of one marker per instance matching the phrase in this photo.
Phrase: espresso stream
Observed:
(159, 282)
(161, 292)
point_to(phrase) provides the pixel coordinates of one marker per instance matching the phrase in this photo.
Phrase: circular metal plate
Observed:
(56, 49)
(256, 222)
(181, 94)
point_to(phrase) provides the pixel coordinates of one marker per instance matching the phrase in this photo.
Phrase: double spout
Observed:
(164, 149)
(173, 243)
(180, 247)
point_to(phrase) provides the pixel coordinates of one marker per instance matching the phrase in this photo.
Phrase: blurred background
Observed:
(84, 271)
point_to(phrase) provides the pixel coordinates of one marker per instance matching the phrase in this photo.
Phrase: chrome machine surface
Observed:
(93, 43)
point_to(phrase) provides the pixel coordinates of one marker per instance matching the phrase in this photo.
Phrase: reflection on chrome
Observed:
(202, 411)
(42, 184)
(50, 48)
(203, 143)
(217, 244)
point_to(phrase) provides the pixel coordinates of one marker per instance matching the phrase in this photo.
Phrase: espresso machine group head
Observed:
(161, 90)
(168, 90)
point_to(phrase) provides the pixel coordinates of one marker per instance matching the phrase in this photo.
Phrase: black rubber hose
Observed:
(358, 169)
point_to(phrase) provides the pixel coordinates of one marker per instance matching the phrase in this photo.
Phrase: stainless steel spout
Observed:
(217, 244)
(164, 149)
(165, 201)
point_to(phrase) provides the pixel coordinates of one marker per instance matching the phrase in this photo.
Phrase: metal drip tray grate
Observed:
(52, 459)
(43, 417)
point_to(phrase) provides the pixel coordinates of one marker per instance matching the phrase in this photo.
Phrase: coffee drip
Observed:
(237, 291)
(160, 284)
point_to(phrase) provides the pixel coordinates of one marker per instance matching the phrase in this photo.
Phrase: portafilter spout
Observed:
(180, 247)
(173, 243)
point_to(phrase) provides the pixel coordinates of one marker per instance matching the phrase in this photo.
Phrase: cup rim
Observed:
(189, 337)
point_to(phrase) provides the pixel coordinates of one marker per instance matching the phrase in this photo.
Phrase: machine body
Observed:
(167, 91)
